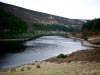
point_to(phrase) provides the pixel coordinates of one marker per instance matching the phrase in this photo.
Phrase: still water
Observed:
(38, 49)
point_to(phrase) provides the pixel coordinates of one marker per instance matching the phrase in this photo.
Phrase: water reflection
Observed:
(11, 47)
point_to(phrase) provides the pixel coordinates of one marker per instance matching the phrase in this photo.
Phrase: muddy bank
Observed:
(83, 55)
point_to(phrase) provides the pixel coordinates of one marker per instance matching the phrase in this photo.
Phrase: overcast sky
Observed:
(76, 9)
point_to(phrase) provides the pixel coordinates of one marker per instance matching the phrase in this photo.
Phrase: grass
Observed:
(73, 68)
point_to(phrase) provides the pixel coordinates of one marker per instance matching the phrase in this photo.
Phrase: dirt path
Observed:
(94, 38)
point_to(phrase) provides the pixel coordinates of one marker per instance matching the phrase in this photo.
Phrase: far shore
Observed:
(7, 40)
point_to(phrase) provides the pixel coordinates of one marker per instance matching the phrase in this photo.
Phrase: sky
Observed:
(75, 9)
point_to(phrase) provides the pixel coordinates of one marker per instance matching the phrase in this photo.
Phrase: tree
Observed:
(11, 23)
(91, 27)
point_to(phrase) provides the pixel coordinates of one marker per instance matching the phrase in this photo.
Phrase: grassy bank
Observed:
(46, 68)
(29, 35)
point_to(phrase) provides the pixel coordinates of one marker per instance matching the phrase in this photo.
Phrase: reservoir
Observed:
(38, 49)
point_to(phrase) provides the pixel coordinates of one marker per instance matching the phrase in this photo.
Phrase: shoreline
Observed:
(26, 39)
(12, 40)
(71, 58)
(81, 55)
(86, 43)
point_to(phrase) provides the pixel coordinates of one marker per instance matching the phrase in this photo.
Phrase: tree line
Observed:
(11, 23)
(51, 27)
(91, 27)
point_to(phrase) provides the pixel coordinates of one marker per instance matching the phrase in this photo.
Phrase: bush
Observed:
(38, 66)
(61, 56)
(22, 69)
(28, 68)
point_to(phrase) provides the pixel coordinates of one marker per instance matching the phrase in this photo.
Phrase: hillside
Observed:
(91, 29)
(31, 16)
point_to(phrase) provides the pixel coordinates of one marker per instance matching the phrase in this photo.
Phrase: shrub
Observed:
(22, 69)
(28, 68)
(61, 56)
(38, 66)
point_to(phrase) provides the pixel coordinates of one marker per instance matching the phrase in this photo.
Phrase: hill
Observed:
(31, 16)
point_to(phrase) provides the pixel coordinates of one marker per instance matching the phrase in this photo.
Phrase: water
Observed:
(38, 49)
